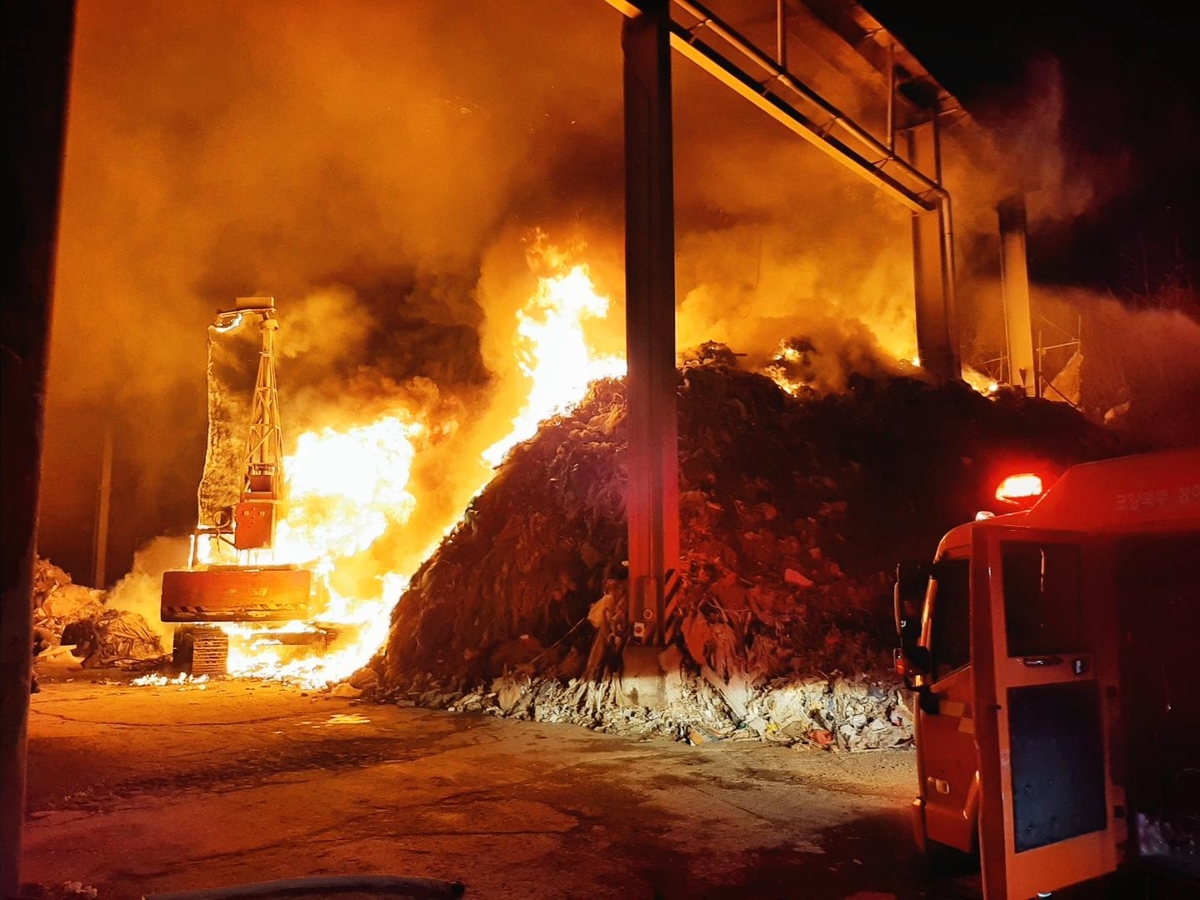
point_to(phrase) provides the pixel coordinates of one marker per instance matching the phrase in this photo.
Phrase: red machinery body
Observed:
(248, 591)
(236, 595)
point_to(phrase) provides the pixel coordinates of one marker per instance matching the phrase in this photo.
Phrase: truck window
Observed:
(950, 637)
(1043, 602)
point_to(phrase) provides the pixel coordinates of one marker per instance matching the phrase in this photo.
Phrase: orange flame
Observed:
(346, 488)
(554, 354)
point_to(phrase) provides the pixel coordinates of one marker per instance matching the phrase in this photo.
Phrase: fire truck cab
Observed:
(1054, 654)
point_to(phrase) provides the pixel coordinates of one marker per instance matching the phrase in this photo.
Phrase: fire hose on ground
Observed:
(392, 885)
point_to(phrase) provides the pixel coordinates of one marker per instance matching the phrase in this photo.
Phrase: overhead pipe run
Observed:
(836, 119)
(919, 195)
(903, 180)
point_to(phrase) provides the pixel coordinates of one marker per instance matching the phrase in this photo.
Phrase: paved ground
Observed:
(148, 789)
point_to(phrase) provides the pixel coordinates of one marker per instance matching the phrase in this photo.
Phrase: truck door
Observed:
(945, 723)
(1047, 801)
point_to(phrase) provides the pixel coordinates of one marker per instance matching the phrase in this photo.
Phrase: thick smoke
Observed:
(1140, 367)
(355, 161)
(384, 171)
(140, 591)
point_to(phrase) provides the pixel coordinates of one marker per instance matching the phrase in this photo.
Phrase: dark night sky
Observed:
(1129, 75)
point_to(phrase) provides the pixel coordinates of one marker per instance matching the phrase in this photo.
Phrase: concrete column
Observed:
(1014, 289)
(933, 265)
(36, 53)
(652, 501)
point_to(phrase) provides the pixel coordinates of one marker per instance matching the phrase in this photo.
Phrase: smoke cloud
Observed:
(384, 171)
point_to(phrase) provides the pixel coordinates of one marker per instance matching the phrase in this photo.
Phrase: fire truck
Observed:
(1054, 656)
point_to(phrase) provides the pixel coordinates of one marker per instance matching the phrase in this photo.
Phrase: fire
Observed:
(780, 367)
(553, 352)
(346, 488)
(984, 384)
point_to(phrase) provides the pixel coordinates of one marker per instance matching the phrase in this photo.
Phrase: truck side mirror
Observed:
(912, 579)
(912, 660)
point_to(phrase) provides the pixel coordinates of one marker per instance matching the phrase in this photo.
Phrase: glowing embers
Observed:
(553, 352)
(980, 382)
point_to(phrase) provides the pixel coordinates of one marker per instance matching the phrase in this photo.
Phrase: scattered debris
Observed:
(68, 615)
(57, 602)
(78, 888)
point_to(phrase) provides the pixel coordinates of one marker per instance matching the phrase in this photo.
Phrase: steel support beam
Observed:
(933, 265)
(826, 128)
(905, 180)
(652, 500)
(1014, 289)
(36, 53)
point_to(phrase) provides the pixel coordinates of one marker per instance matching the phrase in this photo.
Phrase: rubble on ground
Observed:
(74, 618)
(57, 602)
(794, 511)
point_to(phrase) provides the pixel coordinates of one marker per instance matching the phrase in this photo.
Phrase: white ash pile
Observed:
(793, 514)
(73, 626)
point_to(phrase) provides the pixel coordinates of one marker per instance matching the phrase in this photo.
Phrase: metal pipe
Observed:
(721, 69)
(734, 39)
(946, 214)
(935, 122)
(104, 495)
(401, 886)
(891, 99)
(949, 272)
(781, 33)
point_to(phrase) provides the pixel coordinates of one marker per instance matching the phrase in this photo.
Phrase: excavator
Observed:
(231, 576)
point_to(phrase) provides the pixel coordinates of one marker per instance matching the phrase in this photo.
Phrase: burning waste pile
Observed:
(793, 513)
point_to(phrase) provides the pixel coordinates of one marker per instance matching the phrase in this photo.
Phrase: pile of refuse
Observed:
(72, 624)
(794, 512)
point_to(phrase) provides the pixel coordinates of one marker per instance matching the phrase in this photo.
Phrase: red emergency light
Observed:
(1020, 490)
